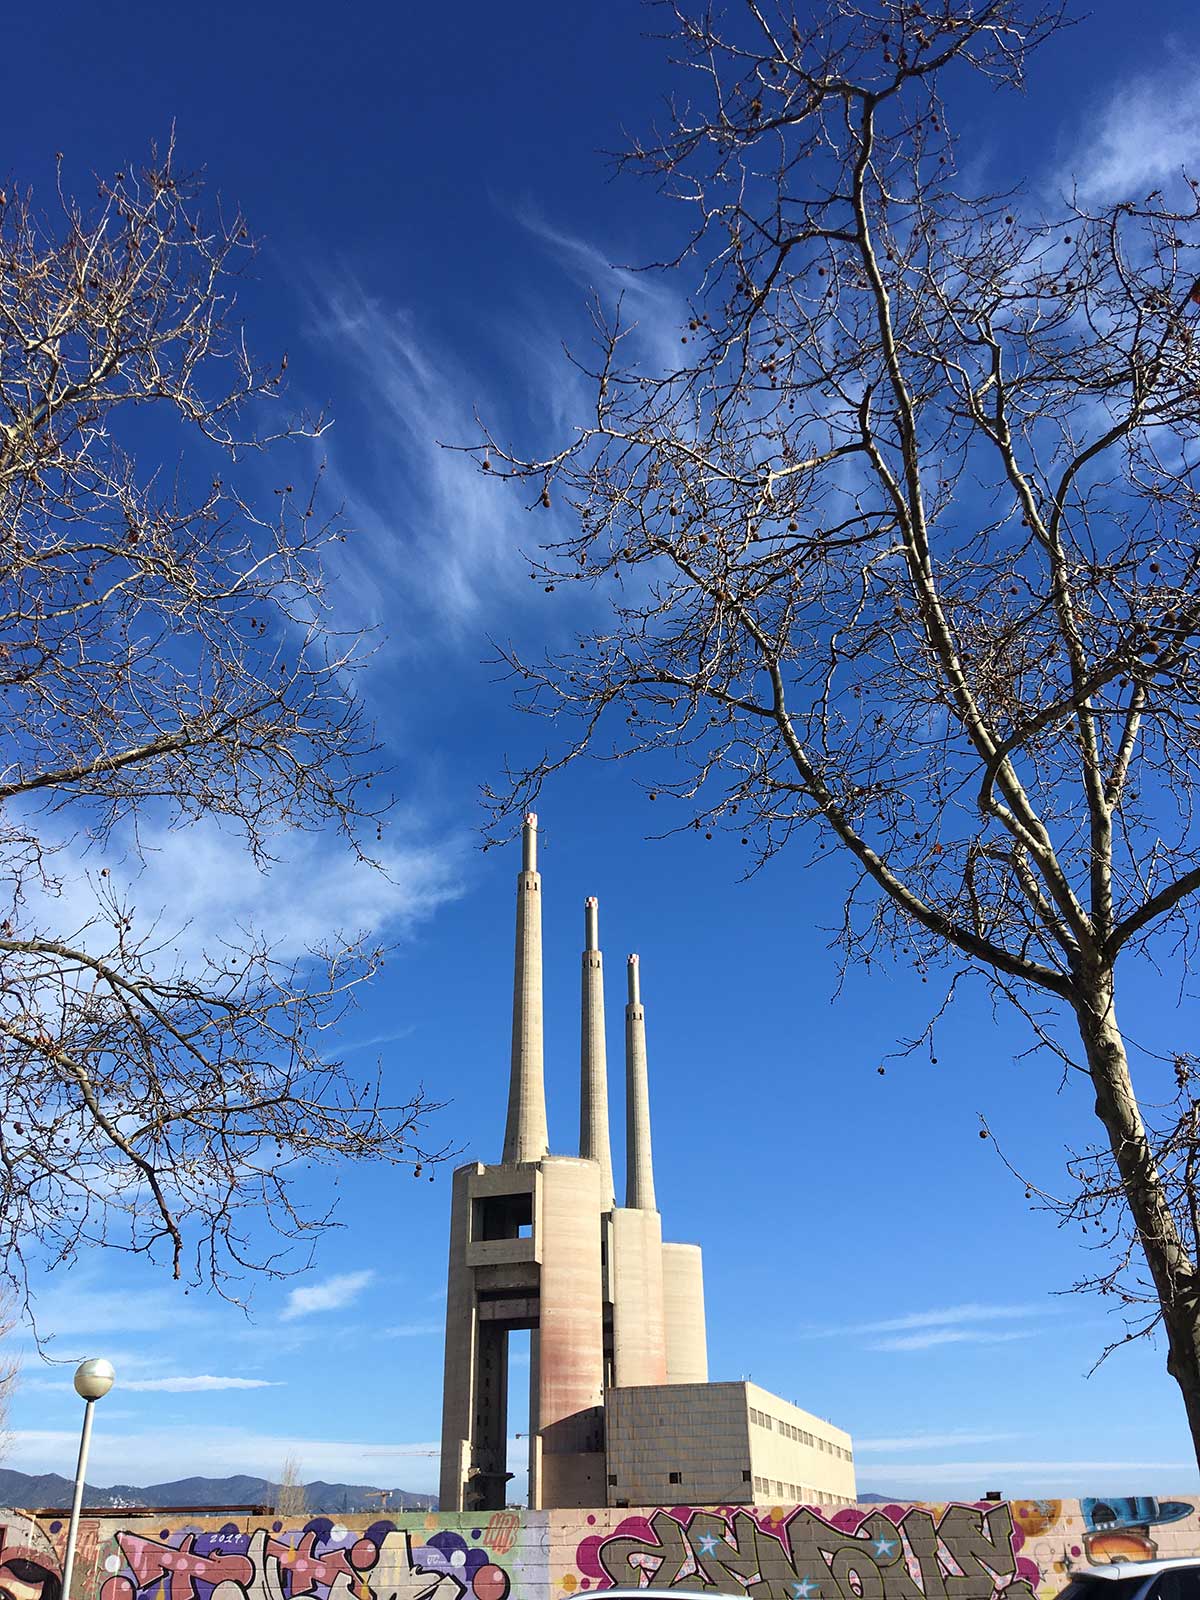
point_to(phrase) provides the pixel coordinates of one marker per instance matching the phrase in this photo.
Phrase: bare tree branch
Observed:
(906, 546)
(167, 655)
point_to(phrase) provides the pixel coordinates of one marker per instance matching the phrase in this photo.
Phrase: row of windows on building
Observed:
(800, 1435)
(673, 1477)
(798, 1493)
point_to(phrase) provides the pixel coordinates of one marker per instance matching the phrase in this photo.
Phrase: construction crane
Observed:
(384, 1495)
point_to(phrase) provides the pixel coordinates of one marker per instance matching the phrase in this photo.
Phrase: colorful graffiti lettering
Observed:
(30, 1566)
(501, 1532)
(892, 1553)
(1118, 1529)
(1006, 1550)
(324, 1561)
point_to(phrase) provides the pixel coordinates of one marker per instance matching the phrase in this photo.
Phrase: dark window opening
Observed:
(675, 1477)
(612, 1480)
(746, 1477)
(503, 1216)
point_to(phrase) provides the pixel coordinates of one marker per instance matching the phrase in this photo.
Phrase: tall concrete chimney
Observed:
(594, 1142)
(525, 1135)
(639, 1163)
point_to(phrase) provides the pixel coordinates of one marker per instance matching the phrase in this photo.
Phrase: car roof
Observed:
(627, 1593)
(1134, 1569)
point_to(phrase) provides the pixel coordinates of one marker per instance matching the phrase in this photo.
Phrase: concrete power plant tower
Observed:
(538, 1242)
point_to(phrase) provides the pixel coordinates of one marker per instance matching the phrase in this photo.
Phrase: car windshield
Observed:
(1102, 1588)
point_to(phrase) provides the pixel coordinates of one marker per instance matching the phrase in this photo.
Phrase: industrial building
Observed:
(620, 1408)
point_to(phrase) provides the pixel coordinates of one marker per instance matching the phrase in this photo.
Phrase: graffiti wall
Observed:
(1018, 1549)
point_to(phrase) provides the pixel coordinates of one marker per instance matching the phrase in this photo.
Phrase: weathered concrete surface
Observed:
(525, 1134)
(1017, 1548)
(595, 1143)
(683, 1313)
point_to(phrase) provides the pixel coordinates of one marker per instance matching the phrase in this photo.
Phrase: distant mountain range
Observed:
(50, 1490)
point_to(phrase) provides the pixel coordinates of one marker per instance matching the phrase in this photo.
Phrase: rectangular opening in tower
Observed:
(520, 1444)
(502, 1216)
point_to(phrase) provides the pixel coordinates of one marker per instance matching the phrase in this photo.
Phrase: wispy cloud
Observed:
(198, 885)
(152, 1455)
(439, 544)
(944, 1316)
(649, 299)
(412, 1330)
(199, 1384)
(333, 1295)
(940, 1325)
(927, 1441)
(72, 1316)
(437, 541)
(1144, 134)
(1098, 1477)
(933, 1337)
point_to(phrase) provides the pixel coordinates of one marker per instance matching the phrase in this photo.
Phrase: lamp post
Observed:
(93, 1380)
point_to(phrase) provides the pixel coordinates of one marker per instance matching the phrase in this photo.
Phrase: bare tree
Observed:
(291, 1496)
(166, 656)
(905, 552)
(10, 1365)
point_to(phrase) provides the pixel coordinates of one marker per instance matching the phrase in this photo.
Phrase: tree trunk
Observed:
(1167, 1257)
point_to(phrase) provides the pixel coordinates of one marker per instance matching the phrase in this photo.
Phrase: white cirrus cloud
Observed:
(412, 1330)
(939, 1324)
(935, 1338)
(437, 541)
(1144, 134)
(69, 1316)
(152, 1456)
(952, 1316)
(198, 885)
(332, 1295)
(198, 1384)
(927, 1441)
(918, 1480)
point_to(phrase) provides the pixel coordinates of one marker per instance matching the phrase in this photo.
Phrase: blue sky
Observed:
(435, 205)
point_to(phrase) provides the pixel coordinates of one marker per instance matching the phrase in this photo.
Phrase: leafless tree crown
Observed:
(904, 547)
(291, 1493)
(166, 655)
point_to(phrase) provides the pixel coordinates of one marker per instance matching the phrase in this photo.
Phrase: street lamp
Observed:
(93, 1380)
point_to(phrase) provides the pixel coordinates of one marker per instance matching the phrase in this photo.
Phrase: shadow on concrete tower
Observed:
(538, 1242)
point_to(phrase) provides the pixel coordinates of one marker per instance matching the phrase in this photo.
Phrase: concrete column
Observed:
(639, 1334)
(525, 1134)
(683, 1309)
(570, 1337)
(639, 1161)
(594, 1143)
(460, 1353)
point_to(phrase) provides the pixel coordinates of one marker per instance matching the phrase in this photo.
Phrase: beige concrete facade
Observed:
(704, 1443)
(795, 1456)
(683, 1314)
(639, 1346)
(525, 1253)
(594, 1141)
(676, 1443)
(639, 1160)
(620, 1409)
(525, 1135)
(1030, 1548)
(567, 1374)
